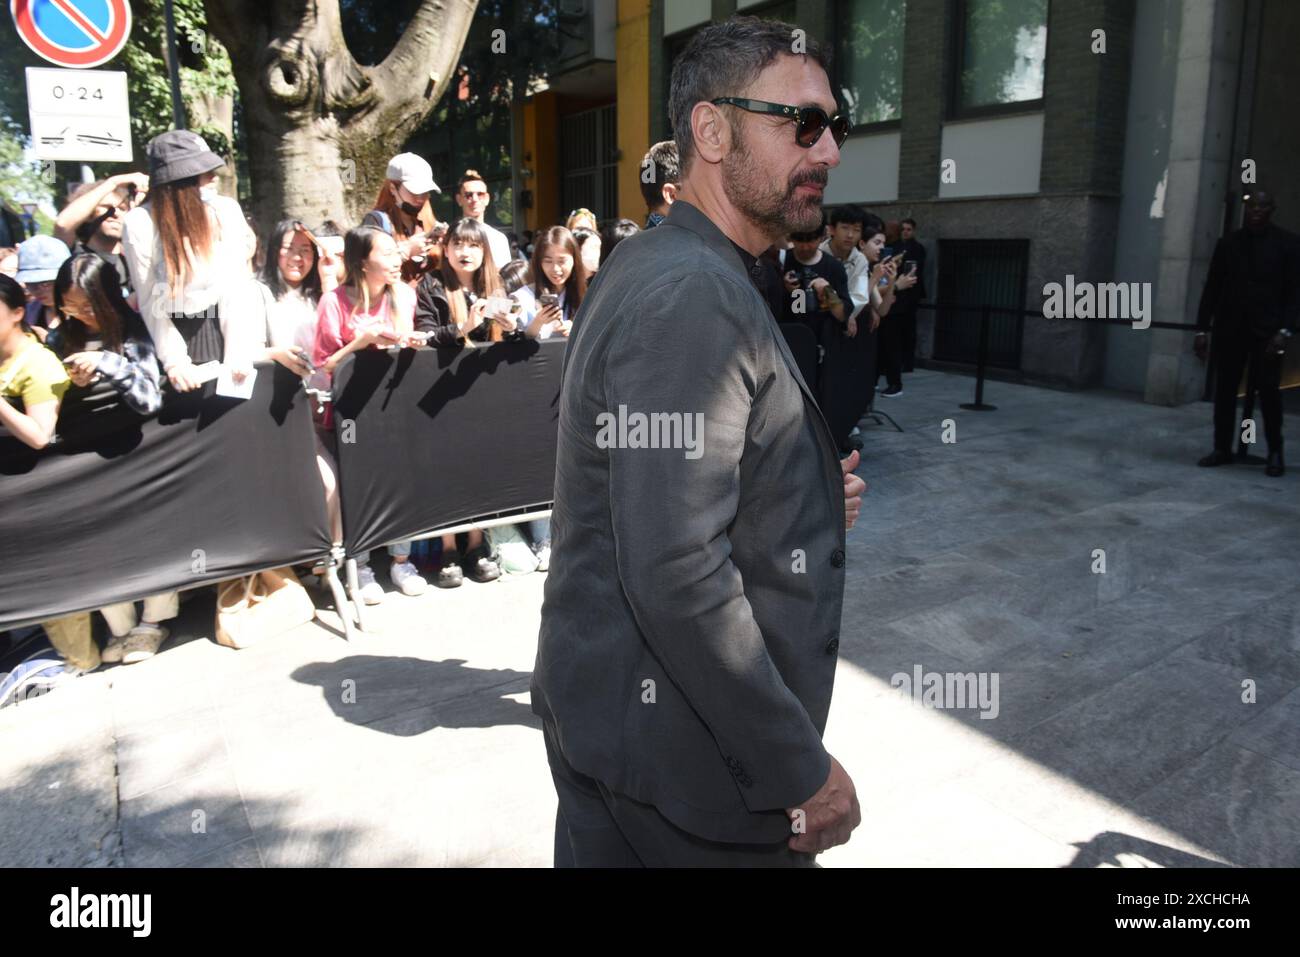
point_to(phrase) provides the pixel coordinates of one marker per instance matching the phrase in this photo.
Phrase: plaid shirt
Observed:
(133, 373)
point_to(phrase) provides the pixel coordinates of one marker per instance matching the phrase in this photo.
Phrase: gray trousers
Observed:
(597, 827)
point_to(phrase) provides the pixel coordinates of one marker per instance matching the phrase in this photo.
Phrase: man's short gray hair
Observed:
(723, 59)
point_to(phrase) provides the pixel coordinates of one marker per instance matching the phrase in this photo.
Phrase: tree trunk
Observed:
(218, 113)
(320, 127)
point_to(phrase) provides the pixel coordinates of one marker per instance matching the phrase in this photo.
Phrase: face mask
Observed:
(411, 209)
(208, 193)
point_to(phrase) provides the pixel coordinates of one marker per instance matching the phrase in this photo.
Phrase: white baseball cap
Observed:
(413, 173)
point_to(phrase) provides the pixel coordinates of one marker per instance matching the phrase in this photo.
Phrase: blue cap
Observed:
(39, 259)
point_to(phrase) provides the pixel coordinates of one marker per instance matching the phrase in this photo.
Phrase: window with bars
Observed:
(975, 273)
(589, 162)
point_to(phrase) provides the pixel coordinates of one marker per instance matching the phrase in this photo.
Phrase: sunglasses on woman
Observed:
(810, 121)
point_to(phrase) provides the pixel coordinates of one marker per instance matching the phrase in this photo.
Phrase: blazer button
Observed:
(837, 558)
(832, 646)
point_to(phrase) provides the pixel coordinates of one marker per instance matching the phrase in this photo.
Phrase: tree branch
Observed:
(432, 43)
(232, 22)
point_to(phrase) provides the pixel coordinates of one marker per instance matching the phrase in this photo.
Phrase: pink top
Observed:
(336, 325)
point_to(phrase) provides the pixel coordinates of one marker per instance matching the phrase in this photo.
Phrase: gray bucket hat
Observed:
(179, 154)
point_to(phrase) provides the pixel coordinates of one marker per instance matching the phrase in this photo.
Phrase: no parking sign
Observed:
(73, 33)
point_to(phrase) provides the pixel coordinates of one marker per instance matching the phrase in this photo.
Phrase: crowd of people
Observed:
(158, 282)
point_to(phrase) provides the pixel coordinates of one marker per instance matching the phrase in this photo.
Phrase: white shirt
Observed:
(226, 272)
(292, 322)
(499, 245)
(859, 273)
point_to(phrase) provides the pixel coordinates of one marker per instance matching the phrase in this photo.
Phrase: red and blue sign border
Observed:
(109, 43)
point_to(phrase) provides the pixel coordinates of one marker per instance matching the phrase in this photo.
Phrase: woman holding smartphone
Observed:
(403, 211)
(372, 309)
(464, 299)
(101, 338)
(552, 300)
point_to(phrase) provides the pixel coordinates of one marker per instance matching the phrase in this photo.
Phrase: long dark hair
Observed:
(487, 281)
(309, 288)
(186, 233)
(103, 287)
(357, 246)
(576, 285)
(12, 293)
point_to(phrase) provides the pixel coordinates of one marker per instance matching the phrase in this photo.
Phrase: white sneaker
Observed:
(544, 558)
(143, 643)
(407, 579)
(371, 591)
(517, 557)
(114, 650)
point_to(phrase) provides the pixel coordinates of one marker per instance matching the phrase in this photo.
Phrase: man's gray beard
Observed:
(777, 212)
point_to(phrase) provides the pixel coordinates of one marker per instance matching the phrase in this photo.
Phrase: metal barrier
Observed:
(986, 312)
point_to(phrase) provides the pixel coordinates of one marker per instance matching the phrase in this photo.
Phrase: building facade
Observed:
(1031, 140)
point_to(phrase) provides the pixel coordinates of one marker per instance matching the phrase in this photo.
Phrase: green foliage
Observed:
(205, 70)
(23, 180)
(996, 65)
(870, 61)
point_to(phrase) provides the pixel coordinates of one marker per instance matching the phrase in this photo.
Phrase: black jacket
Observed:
(1253, 287)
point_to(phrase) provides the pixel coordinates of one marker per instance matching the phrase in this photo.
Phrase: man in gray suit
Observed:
(692, 615)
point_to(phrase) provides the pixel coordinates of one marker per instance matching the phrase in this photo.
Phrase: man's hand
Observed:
(875, 320)
(853, 488)
(1200, 346)
(851, 327)
(830, 815)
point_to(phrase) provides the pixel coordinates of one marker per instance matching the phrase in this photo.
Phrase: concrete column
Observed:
(1205, 91)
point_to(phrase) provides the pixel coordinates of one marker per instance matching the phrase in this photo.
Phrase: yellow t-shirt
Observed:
(33, 375)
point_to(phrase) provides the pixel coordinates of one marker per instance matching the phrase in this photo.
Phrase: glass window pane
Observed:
(1002, 58)
(870, 59)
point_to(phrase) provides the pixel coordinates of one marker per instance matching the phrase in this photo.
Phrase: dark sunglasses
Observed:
(810, 121)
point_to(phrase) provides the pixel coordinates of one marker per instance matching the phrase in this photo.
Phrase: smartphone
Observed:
(548, 299)
(420, 337)
(331, 244)
(909, 265)
(898, 259)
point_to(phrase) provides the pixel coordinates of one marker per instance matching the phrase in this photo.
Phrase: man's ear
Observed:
(711, 131)
(669, 192)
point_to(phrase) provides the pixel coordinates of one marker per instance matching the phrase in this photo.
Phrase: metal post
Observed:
(341, 602)
(981, 360)
(354, 592)
(178, 109)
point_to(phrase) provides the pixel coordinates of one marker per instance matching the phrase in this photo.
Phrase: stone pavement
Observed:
(1121, 737)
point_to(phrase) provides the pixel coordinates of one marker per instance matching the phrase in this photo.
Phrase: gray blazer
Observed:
(691, 622)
